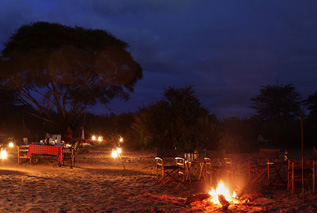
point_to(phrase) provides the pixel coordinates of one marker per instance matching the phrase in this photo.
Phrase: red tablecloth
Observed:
(47, 150)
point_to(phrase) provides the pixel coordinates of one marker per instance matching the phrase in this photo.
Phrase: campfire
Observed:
(221, 196)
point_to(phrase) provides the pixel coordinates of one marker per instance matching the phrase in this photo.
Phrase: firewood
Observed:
(225, 204)
(199, 197)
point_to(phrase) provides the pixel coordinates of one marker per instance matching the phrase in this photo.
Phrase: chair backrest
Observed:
(76, 145)
(25, 141)
(269, 153)
(215, 154)
(166, 153)
(314, 154)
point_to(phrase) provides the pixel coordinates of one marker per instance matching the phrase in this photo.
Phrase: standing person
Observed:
(47, 139)
(68, 135)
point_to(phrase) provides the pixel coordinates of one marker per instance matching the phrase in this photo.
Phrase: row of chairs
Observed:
(171, 165)
(269, 164)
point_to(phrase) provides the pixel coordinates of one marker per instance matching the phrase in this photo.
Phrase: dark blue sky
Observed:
(226, 50)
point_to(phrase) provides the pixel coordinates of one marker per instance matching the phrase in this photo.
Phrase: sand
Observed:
(99, 183)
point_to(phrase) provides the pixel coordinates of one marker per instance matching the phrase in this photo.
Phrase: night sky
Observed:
(226, 50)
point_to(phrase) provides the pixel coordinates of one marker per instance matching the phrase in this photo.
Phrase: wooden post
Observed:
(302, 142)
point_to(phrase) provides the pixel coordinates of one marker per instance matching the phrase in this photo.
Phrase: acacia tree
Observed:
(278, 108)
(277, 102)
(64, 70)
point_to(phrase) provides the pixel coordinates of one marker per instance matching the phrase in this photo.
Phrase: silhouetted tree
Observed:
(277, 102)
(311, 103)
(61, 69)
(239, 135)
(310, 124)
(279, 108)
(177, 120)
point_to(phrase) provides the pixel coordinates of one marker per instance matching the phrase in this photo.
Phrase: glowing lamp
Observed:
(119, 150)
(114, 153)
(3, 154)
(121, 139)
(100, 138)
(93, 137)
(11, 145)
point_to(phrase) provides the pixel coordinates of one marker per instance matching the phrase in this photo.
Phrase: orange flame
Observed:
(222, 190)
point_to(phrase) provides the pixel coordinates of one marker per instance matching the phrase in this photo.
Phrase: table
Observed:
(190, 163)
(36, 149)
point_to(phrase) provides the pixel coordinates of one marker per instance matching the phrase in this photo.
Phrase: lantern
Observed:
(114, 153)
(3, 154)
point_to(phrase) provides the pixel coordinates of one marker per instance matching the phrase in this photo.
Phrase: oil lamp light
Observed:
(3, 154)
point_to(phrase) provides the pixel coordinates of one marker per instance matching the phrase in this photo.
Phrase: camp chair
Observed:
(166, 172)
(296, 174)
(261, 166)
(22, 153)
(70, 153)
(182, 170)
(218, 165)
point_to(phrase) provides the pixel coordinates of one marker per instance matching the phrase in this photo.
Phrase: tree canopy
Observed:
(177, 120)
(62, 69)
(311, 103)
(277, 102)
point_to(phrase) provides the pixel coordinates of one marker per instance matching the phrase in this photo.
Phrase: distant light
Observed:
(121, 139)
(93, 137)
(114, 153)
(119, 150)
(11, 145)
(100, 138)
(3, 154)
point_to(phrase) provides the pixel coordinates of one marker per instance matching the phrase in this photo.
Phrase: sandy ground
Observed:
(101, 184)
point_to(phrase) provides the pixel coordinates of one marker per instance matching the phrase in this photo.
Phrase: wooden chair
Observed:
(182, 170)
(296, 174)
(261, 166)
(218, 165)
(22, 153)
(165, 171)
(70, 153)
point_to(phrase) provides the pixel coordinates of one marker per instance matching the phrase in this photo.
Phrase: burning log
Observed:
(225, 204)
(195, 198)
